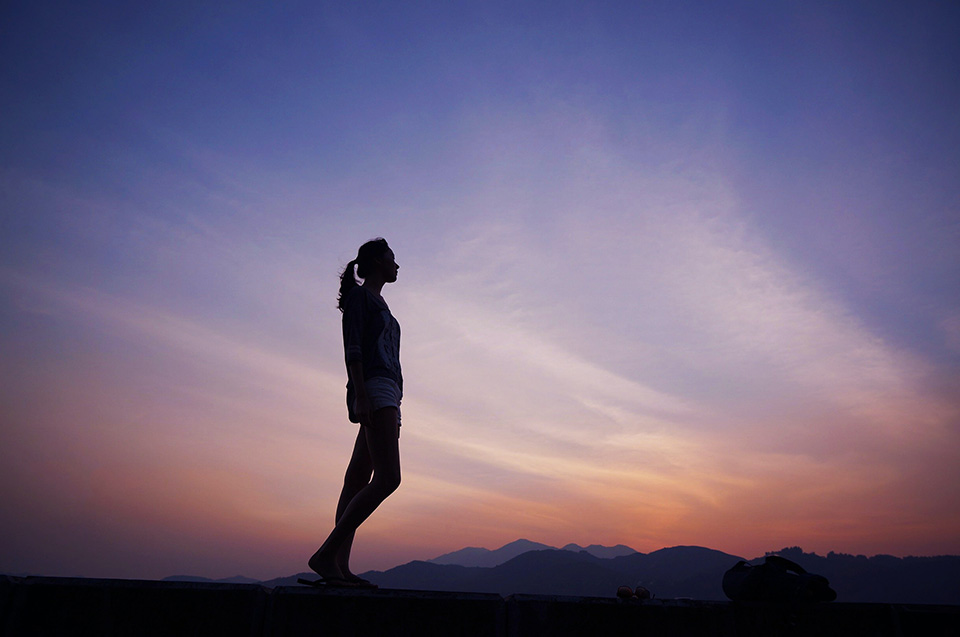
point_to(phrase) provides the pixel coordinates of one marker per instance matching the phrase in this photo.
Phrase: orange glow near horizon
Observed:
(552, 449)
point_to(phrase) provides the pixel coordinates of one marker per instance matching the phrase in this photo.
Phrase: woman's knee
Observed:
(356, 480)
(387, 481)
(359, 470)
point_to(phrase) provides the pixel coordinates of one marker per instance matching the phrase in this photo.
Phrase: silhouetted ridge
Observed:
(679, 571)
(554, 572)
(236, 579)
(474, 556)
(597, 550)
(563, 572)
(884, 578)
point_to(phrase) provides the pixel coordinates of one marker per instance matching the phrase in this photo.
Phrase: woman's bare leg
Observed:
(356, 478)
(384, 452)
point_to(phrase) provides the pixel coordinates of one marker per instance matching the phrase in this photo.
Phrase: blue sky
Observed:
(664, 268)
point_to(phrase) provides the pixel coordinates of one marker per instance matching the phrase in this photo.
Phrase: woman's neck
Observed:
(374, 284)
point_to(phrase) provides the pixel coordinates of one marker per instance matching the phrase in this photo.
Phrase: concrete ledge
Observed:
(531, 615)
(68, 606)
(298, 610)
(62, 606)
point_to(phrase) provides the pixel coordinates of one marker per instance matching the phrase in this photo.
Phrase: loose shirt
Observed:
(371, 335)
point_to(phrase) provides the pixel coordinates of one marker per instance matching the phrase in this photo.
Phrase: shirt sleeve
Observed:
(353, 316)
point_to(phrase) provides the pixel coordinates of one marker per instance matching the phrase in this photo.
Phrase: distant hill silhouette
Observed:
(236, 579)
(605, 552)
(681, 571)
(549, 572)
(677, 572)
(290, 580)
(472, 556)
(884, 578)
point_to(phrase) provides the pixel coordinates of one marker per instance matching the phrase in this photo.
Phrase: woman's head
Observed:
(372, 255)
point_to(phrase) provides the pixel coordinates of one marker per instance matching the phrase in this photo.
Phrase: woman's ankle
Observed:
(324, 565)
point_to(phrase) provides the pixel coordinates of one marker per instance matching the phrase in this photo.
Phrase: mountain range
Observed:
(472, 556)
(684, 571)
(677, 572)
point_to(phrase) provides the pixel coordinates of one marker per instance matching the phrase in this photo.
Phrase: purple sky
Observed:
(671, 273)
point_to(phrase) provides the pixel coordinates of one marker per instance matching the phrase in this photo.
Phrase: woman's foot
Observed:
(327, 569)
(353, 578)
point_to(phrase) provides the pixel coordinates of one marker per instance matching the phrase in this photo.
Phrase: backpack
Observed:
(776, 580)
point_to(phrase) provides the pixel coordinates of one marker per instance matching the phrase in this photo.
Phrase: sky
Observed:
(670, 274)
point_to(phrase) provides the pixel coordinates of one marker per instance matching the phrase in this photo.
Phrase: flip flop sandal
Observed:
(362, 583)
(328, 582)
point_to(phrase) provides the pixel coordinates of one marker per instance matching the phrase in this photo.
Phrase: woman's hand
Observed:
(361, 402)
(361, 408)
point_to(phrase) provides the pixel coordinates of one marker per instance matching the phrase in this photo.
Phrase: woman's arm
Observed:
(353, 317)
(361, 402)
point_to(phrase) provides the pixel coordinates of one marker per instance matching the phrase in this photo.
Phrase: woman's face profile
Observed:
(389, 267)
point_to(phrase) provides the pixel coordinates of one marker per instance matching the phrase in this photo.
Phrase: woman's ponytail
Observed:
(368, 254)
(348, 281)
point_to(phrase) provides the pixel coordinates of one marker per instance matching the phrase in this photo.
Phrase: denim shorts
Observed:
(384, 392)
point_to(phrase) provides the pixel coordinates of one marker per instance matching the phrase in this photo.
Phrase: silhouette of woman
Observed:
(371, 344)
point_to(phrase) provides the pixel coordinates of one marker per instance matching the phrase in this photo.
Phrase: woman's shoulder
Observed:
(373, 298)
(360, 295)
(353, 300)
(356, 292)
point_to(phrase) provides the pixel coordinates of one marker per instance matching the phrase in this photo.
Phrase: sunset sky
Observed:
(670, 274)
